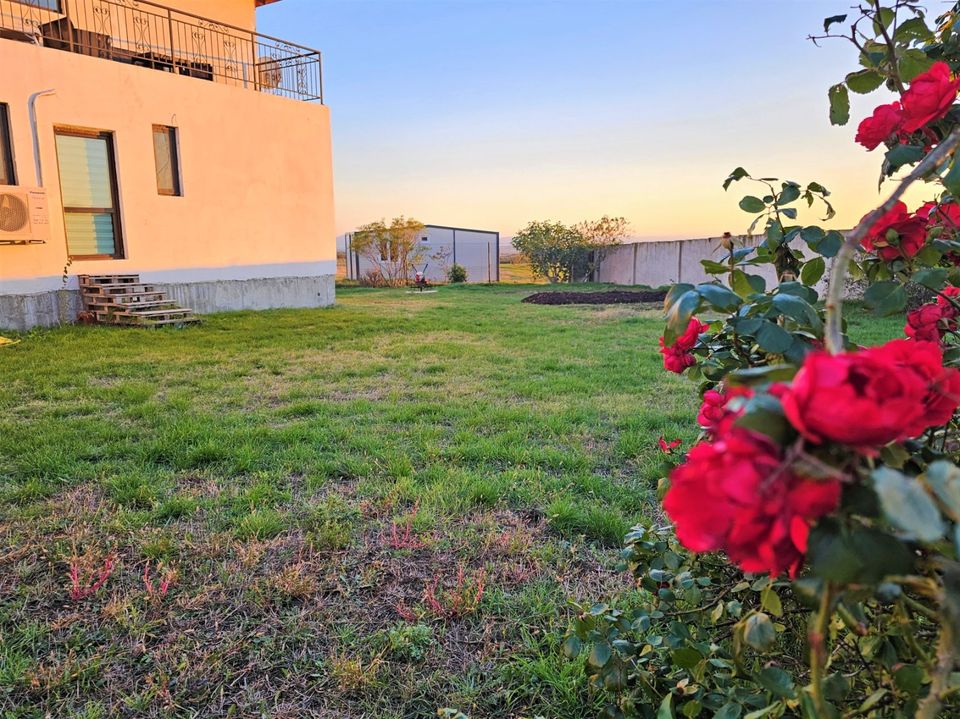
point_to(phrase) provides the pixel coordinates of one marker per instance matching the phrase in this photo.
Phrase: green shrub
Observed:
(457, 273)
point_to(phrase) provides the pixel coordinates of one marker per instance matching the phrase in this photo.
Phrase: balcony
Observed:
(139, 32)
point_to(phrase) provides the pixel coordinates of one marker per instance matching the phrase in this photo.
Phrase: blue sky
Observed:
(491, 113)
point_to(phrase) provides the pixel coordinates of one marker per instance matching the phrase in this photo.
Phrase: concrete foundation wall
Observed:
(39, 309)
(54, 307)
(260, 294)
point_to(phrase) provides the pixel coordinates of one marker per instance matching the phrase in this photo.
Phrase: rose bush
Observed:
(811, 564)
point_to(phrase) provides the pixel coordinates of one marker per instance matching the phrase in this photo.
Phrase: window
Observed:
(7, 174)
(165, 154)
(45, 4)
(88, 183)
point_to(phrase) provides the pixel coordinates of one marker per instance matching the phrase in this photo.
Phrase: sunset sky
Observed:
(491, 113)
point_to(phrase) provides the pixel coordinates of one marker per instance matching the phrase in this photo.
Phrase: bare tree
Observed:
(394, 250)
(598, 237)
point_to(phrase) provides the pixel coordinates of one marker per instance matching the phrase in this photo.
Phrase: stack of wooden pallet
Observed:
(125, 300)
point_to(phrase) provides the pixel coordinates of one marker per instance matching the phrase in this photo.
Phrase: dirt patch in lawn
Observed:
(610, 297)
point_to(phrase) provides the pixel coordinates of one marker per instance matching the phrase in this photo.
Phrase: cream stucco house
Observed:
(170, 141)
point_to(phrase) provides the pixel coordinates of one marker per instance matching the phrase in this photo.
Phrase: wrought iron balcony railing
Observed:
(141, 32)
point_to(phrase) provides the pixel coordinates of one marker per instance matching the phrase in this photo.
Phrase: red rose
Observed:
(896, 234)
(677, 357)
(942, 384)
(738, 496)
(924, 324)
(870, 398)
(949, 309)
(884, 122)
(929, 97)
(712, 409)
(931, 322)
(946, 217)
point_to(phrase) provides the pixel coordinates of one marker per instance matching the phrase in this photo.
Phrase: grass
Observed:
(518, 272)
(377, 509)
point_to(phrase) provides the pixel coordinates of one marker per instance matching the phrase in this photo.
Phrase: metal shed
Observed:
(476, 250)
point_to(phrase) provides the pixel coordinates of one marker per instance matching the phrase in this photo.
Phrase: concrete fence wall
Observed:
(664, 263)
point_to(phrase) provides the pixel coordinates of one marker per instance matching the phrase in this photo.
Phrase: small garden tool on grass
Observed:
(420, 278)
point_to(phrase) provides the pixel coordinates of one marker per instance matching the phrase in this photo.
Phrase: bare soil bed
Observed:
(609, 297)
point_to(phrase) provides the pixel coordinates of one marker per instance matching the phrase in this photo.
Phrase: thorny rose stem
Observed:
(833, 333)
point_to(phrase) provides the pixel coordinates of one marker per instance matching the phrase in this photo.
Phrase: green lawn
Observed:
(372, 510)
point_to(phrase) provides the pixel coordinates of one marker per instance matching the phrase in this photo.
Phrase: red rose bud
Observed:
(877, 129)
(737, 495)
(929, 97)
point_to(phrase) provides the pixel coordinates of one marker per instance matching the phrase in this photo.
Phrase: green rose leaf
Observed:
(812, 271)
(758, 631)
(680, 312)
(862, 555)
(951, 180)
(913, 62)
(674, 293)
(831, 244)
(790, 193)
(839, 104)
(773, 338)
(745, 285)
(882, 19)
(719, 297)
(572, 646)
(712, 267)
(827, 22)
(933, 278)
(777, 682)
(767, 373)
(907, 505)
(729, 711)
(600, 654)
(752, 204)
(666, 708)
(686, 658)
(913, 29)
(900, 155)
(763, 414)
(737, 174)
(864, 81)
(886, 297)
(798, 309)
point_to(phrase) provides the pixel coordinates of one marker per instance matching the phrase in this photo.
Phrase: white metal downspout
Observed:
(36, 134)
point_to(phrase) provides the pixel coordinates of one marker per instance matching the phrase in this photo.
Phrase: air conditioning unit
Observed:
(24, 216)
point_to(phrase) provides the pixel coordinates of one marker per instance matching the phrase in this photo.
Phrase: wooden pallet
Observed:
(125, 300)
